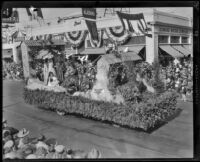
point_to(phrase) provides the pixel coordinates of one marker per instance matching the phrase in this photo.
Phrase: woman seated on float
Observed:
(52, 80)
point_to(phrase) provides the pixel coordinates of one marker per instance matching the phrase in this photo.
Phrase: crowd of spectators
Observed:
(12, 70)
(178, 75)
(19, 144)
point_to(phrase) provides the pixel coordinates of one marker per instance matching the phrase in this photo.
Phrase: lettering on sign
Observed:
(89, 13)
(164, 29)
(173, 30)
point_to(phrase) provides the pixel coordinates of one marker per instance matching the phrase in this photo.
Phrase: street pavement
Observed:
(172, 140)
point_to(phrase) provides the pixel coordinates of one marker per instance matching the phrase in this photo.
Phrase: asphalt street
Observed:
(172, 140)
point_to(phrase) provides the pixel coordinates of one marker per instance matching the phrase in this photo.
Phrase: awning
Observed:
(171, 51)
(181, 49)
(134, 49)
(93, 51)
(112, 59)
(187, 48)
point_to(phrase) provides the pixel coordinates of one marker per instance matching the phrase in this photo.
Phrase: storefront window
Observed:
(163, 39)
(185, 40)
(137, 40)
(175, 39)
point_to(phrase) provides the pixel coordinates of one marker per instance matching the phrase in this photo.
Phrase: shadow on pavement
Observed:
(178, 112)
(151, 130)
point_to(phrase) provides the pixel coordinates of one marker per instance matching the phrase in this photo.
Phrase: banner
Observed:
(30, 14)
(134, 23)
(90, 18)
(39, 13)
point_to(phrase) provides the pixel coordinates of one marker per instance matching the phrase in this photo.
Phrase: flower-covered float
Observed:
(118, 88)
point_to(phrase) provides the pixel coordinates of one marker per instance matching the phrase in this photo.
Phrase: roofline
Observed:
(167, 24)
(170, 14)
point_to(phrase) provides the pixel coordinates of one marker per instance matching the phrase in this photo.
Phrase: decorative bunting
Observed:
(96, 43)
(75, 38)
(134, 23)
(117, 34)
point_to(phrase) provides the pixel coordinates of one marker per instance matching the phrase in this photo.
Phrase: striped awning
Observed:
(112, 59)
(171, 51)
(181, 49)
(134, 49)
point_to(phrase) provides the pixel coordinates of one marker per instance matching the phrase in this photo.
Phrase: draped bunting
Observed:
(134, 23)
(117, 34)
(96, 43)
(75, 38)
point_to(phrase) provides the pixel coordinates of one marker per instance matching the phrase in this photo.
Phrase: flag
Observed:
(134, 23)
(90, 18)
(34, 13)
(39, 13)
(15, 15)
(30, 14)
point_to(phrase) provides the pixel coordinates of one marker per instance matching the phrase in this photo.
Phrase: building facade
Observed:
(170, 33)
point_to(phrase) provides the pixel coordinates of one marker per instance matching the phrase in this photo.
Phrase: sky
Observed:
(52, 14)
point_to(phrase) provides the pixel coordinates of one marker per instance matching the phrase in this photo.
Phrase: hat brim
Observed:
(20, 135)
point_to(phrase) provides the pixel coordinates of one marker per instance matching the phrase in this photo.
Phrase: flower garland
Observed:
(99, 43)
(117, 34)
(75, 38)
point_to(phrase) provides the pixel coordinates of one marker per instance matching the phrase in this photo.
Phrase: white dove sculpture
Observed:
(83, 59)
(126, 49)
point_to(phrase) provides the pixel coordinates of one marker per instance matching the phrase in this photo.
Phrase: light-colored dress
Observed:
(51, 68)
(46, 73)
(54, 82)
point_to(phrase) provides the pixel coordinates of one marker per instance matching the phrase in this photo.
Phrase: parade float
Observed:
(108, 81)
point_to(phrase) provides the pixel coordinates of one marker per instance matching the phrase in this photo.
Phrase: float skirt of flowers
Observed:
(145, 115)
